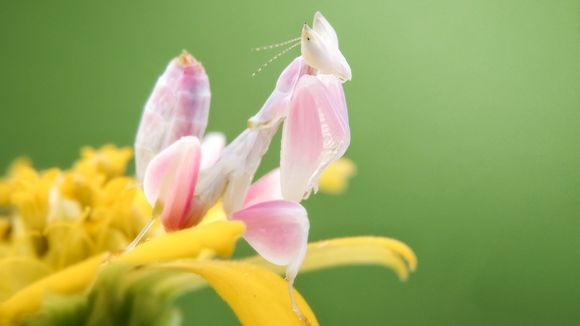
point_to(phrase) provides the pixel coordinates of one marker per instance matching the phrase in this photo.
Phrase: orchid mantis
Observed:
(184, 173)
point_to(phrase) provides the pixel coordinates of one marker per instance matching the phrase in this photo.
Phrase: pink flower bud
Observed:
(177, 107)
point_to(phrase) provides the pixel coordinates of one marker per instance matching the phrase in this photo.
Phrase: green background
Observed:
(465, 120)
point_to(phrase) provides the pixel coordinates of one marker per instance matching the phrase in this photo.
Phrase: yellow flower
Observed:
(62, 241)
(335, 178)
(58, 218)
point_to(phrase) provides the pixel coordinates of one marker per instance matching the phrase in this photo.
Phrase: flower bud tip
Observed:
(186, 60)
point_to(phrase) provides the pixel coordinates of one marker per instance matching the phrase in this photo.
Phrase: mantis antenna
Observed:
(276, 45)
(279, 54)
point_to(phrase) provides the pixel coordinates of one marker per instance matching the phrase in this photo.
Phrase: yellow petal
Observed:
(70, 280)
(334, 179)
(18, 272)
(108, 160)
(353, 251)
(28, 243)
(30, 197)
(4, 227)
(214, 214)
(5, 191)
(67, 244)
(257, 296)
(219, 237)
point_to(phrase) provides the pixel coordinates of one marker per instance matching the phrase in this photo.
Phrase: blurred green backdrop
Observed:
(465, 120)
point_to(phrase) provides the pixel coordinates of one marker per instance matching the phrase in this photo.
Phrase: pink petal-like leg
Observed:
(267, 188)
(278, 231)
(316, 133)
(170, 181)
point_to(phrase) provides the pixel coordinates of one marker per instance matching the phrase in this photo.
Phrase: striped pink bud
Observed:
(177, 107)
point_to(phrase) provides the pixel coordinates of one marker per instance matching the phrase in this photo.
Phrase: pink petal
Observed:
(276, 106)
(170, 181)
(278, 231)
(177, 107)
(267, 188)
(211, 148)
(316, 133)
